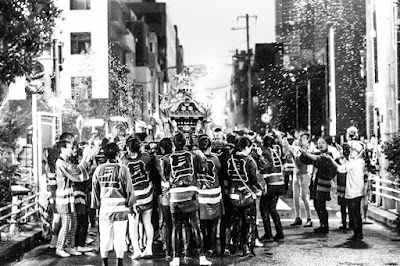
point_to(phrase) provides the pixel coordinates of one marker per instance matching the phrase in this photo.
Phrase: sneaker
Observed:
(297, 221)
(174, 262)
(266, 238)
(136, 256)
(89, 241)
(226, 253)
(321, 230)
(247, 251)
(73, 251)
(279, 236)
(258, 244)
(84, 249)
(147, 254)
(308, 223)
(204, 261)
(355, 238)
(167, 254)
(62, 253)
(209, 253)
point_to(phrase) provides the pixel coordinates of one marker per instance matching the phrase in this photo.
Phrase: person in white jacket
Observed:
(354, 169)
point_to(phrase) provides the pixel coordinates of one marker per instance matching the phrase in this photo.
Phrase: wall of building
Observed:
(144, 79)
(94, 64)
(382, 70)
(155, 73)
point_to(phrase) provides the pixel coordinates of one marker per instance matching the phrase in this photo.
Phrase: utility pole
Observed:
(57, 65)
(309, 104)
(248, 59)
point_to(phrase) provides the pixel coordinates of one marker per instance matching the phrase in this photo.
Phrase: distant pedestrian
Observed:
(301, 180)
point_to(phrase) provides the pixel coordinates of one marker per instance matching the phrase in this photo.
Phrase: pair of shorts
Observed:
(113, 235)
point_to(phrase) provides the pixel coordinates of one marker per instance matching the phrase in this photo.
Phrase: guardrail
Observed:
(22, 209)
(385, 194)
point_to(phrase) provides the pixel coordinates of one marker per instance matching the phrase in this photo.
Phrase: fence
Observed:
(385, 194)
(22, 209)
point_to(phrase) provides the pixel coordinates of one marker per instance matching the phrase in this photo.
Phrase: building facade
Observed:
(382, 22)
(156, 16)
(111, 28)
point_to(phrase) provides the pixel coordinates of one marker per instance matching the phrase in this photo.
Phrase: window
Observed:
(79, 4)
(148, 97)
(81, 88)
(80, 42)
(152, 48)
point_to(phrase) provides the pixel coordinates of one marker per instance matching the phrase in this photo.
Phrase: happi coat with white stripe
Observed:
(139, 169)
(180, 170)
(326, 171)
(210, 198)
(273, 175)
(66, 174)
(112, 191)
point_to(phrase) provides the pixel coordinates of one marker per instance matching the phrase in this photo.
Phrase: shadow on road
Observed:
(353, 245)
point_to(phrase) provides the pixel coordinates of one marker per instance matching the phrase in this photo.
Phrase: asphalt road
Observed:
(301, 246)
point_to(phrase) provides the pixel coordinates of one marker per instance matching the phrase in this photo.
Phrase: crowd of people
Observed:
(198, 195)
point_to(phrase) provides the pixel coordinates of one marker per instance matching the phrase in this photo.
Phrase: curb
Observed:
(382, 216)
(26, 241)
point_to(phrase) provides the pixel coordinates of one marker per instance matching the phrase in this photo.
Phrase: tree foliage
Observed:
(123, 97)
(10, 130)
(392, 152)
(26, 29)
(285, 93)
(121, 101)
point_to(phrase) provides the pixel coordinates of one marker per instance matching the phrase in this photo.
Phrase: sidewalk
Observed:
(385, 217)
(30, 238)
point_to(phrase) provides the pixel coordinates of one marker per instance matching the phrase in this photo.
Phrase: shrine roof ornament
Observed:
(180, 101)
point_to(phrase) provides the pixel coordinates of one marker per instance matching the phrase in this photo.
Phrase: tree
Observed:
(123, 98)
(33, 22)
(10, 130)
(392, 152)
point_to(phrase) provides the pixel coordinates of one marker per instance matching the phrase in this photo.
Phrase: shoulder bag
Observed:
(243, 196)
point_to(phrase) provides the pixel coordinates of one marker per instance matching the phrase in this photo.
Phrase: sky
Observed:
(205, 32)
